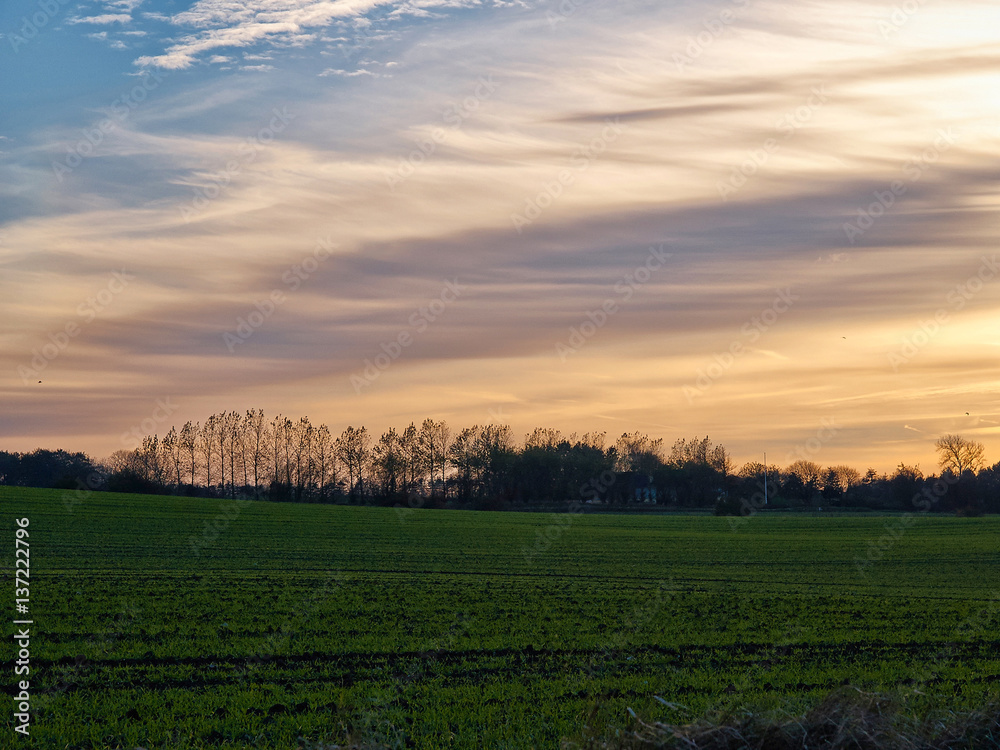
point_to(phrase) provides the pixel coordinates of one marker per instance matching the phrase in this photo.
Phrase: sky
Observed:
(772, 223)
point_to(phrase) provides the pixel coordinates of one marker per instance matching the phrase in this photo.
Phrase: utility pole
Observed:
(765, 478)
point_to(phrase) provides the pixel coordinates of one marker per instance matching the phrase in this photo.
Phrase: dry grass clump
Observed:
(847, 719)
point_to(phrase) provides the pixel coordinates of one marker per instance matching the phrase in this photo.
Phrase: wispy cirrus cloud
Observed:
(226, 24)
(218, 24)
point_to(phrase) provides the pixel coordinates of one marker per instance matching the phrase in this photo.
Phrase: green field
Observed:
(294, 625)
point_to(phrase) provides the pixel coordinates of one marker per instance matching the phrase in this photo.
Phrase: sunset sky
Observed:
(774, 223)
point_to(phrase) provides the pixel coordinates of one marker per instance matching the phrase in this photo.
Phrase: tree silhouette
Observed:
(296, 460)
(389, 463)
(354, 453)
(958, 454)
(435, 437)
(188, 439)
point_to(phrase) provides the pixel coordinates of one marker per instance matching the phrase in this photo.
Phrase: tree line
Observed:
(248, 454)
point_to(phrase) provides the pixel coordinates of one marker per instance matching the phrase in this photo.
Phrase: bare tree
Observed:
(751, 470)
(413, 473)
(720, 460)
(303, 452)
(206, 444)
(845, 476)
(225, 439)
(325, 463)
(277, 443)
(494, 447)
(353, 452)
(434, 440)
(638, 452)
(465, 458)
(189, 446)
(809, 472)
(173, 453)
(700, 451)
(238, 440)
(150, 459)
(124, 462)
(958, 454)
(543, 437)
(221, 444)
(389, 463)
(256, 443)
(288, 441)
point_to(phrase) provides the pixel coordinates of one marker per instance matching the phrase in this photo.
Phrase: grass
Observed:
(173, 622)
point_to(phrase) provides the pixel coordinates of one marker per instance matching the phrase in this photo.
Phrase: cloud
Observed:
(227, 24)
(103, 19)
(223, 23)
(417, 178)
(346, 73)
(124, 6)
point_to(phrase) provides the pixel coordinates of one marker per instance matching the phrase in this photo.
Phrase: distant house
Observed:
(631, 487)
(643, 489)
